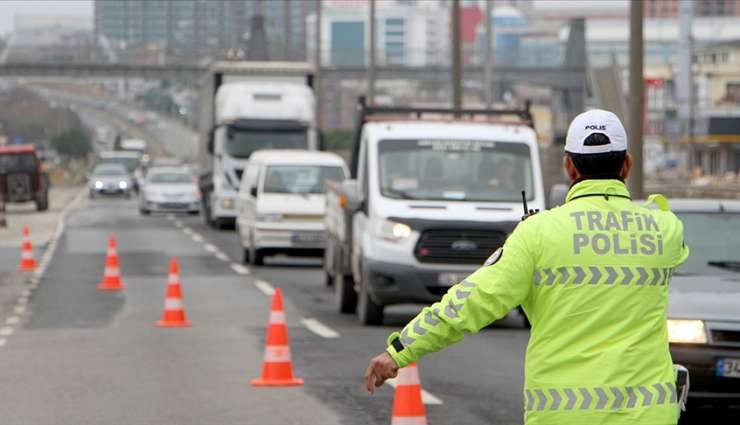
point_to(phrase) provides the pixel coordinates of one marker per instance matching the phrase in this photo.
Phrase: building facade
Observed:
(192, 29)
(669, 8)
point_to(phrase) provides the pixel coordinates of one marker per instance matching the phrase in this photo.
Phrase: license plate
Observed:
(728, 368)
(307, 237)
(449, 279)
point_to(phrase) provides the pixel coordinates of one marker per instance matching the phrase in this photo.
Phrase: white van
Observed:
(281, 202)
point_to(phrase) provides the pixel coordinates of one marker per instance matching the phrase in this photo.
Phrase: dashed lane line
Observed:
(239, 269)
(210, 247)
(187, 231)
(12, 320)
(19, 309)
(319, 328)
(265, 287)
(221, 256)
(6, 331)
(197, 238)
(426, 397)
(3, 341)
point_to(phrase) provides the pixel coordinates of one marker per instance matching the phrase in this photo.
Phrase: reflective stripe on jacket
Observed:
(593, 277)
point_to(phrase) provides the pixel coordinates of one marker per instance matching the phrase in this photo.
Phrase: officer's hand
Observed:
(382, 367)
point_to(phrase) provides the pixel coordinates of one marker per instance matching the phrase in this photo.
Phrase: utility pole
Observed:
(370, 97)
(636, 99)
(456, 59)
(684, 86)
(286, 30)
(317, 72)
(488, 71)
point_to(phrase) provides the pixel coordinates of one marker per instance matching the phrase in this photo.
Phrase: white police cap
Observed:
(596, 121)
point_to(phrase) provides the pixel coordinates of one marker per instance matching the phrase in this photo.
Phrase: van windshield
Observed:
(240, 143)
(300, 178)
(460, 170)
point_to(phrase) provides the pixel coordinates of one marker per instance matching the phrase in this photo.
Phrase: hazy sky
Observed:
(9, 8)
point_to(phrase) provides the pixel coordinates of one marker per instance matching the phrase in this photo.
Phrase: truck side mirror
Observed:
(558, 193)
(211, 142)
(253, 191)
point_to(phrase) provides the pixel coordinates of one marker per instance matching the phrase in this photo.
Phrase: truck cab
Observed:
(22, 177)
(431, 200)
(247, 107)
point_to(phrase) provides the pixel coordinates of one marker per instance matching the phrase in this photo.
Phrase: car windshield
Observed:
(109, 170)
(462, 170)
(14, 163)
(130, 163)
(241, 143)
(300, 178)
(711, 237)
(170, 178)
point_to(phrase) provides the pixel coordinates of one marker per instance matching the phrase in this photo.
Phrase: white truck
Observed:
(431, 197)
(244, 107)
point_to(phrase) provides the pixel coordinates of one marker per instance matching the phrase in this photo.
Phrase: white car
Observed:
(281, 202)
(169, 189)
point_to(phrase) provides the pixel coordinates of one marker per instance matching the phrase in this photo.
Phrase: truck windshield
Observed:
(241, 143)
(300, 178)
(460, 170)
(14, 163)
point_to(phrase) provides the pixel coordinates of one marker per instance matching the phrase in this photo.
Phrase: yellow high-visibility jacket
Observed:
(592, 276)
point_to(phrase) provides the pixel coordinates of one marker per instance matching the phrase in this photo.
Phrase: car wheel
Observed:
(144, 211)
(258, 258)
(369, 313)
(245, 255)
(42, 203)
(344, 294)
(328, 279)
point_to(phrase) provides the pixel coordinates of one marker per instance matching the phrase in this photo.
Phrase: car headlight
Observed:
(393, 231)
(687, 331)
(98, 184)
(122, 184)
(227, 203)
(269, 217)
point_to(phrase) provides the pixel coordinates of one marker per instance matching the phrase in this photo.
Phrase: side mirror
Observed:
(351, 190)
(253, 191)
(558, 192)
(211, 141)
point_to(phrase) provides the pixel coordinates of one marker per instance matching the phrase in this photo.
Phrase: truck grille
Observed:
(19, 187)
(458, 246)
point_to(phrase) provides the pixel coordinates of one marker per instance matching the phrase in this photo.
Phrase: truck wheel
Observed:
(245, 255)
(143, 211)
(328, 279)
(369, 313)
(344, 294)
(42, 203)
(257, 257)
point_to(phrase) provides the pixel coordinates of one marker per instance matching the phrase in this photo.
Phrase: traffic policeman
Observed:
(592, 277)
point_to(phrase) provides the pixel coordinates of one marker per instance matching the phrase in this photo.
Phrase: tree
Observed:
(73, 143)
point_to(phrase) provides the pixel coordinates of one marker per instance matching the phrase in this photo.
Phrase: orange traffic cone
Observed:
(277, 368)
(408, 408)
(27, 263)
(112, 272)
(174, 312)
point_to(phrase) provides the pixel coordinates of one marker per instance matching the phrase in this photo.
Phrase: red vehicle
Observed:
(22, 178)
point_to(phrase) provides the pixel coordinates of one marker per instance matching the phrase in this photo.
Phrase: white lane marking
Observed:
(170, 216)
(210, 247)
(265, 287)
(6, 331)
(319, 328)
(3, 341)
(12, 320)
(426, 396)
(22, 300)
(26, 292)
(19, 309)
(239, 269)
(178, 224)
(187, 231)
(223, 257)
(197, 238)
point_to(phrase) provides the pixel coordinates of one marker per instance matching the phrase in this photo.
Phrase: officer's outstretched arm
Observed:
(483, 297)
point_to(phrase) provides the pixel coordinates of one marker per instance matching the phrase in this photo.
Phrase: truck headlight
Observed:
(687, 331)
(269, 217)
(122, 184)
(227, 203)
(393, 231)
(98, 184)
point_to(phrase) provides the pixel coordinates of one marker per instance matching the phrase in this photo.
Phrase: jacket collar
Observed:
(606, 188)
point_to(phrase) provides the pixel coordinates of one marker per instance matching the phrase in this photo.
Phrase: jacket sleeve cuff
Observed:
(399, 357)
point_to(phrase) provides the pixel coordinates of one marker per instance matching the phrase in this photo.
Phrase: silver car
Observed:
(169, 189)
(704, 302)
(110, 179)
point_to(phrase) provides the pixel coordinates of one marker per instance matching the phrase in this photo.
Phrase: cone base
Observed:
(261, 382)
(102, 287)
(179, 324)
(26, 268)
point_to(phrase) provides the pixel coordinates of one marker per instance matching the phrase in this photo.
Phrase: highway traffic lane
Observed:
(478, 380)
(89, 357)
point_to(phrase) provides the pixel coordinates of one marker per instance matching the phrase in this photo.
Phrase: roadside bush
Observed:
(72, 144)
(338, 140)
